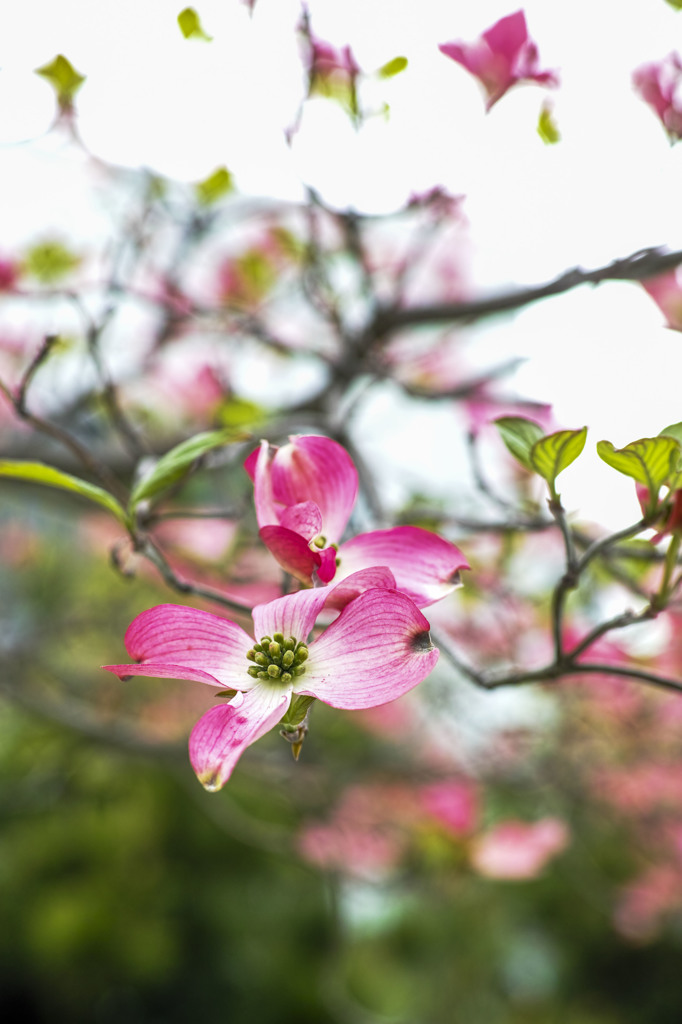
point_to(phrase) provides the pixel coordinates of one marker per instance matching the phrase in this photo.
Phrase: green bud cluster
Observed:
(277, 659)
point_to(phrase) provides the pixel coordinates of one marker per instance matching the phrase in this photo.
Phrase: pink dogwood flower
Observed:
(304, 494)
(377, 649)
(660, 85)
(503, 56)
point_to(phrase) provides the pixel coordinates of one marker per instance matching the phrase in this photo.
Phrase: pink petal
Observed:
(291, 551)
(326, 570)
(313, 468)
(666, 291)
(221, 736)
(296, 614)
(426, 566)
(293, 615)
(507, 36)
(503, 56)
(259, 467)
(376, 577)
(304, 518)
(172, 641)
(378, 649)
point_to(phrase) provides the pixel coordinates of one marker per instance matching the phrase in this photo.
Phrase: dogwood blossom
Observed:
(503, 56)
(378, 648)
(304, 493)
(660, 85)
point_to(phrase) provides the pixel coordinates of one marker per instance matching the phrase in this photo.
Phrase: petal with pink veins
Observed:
(375, 577)
(222, 735)
(175, 642)
(304, 518)
(377, 649)
(296, 614)
(426, 566)
(293, 615)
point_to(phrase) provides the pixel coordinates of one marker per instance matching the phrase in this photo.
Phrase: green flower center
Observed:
(276, 659)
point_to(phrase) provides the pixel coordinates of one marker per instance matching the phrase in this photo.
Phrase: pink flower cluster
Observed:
(376, 649)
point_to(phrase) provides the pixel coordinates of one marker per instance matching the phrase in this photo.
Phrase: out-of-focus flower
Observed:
(517, 850)
(377, 649)
(660, 85)
(645, 901)
(9, 274)
(503, 56)
(331, 72)
(304, 494)
(452, 803)
(484, 406)
(666, 291)
(370, 853)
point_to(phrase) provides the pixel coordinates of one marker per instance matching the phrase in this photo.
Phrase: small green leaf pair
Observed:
(545, 454)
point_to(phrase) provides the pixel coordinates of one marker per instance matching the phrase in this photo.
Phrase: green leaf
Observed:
(675, 430)
(176, 463)
(213, 188)
(675, 4)
(39, 473)
(392, 67)
(49, 261)
(63, 78)
(242, 414)
(547, 129)
(650, 461)
(190, 25)
(519, 435)
(552, 454)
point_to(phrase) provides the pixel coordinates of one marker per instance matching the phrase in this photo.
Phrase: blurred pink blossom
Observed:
(365, 852)
(516, 850)
(666, 291)
(452, 803)
(644, 902)
(660, 85)
(503, 56)
(9, 274)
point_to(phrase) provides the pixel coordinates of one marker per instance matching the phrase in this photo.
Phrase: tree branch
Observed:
(638, 267)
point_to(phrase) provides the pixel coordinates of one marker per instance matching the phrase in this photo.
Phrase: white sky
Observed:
(611, 186)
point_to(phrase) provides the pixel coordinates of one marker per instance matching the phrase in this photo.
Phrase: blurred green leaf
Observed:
(63, 78)
(213, 188)
(176, 463)
(547, 129)
(242, 414)
(650, 460)
(675, 4)
(190, 25)
(519, 435)
(552, 454)
(675, 430)
(49, 261)
(393, 67)
(39, 473)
